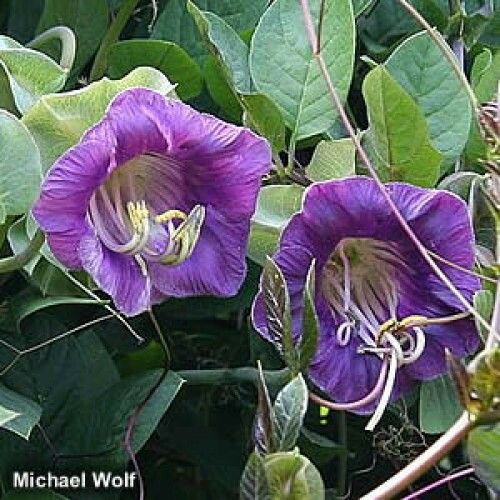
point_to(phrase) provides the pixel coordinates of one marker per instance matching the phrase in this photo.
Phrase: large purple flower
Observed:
(155, 201)
(370, 278)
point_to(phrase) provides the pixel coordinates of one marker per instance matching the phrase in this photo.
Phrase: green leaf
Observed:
(26, 75)
(176, 24)
(318, 448)
(167, 57)
(310, 323)
(439, 405)
(283, 66)
(18, 414)
(220, 90)
(332, 160)
(483, 445)
(253, 483)
(58, 121)
(398, 132)
(289, 410)
(23, 18)
(260, 113)
(20, 168)
(483, 303)
(264, 418)
(275, 206)
(26, 304)
(264, 117)
(102, 423)
(226, 43)
(421, 68)
(88, 19)
(292, 476)
(278, 315)
(485, 75)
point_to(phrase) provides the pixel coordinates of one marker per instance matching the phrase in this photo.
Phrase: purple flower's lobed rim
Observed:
(183, 158)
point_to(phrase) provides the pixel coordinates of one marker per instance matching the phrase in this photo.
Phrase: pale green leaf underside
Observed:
(58, 121)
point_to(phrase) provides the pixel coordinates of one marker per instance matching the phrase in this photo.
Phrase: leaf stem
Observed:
(111, 36)
(68, 44)
(9, 264)
(423, 462)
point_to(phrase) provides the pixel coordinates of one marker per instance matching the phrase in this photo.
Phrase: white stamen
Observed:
(344, 338)
(386, 395)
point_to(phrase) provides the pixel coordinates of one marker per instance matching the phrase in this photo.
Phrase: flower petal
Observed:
(116, 274)
(217, 265)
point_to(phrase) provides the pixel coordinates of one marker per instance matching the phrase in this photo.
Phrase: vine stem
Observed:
(364, 158)
(437, 484)
(19, 260)
(111, 37)
(234, 376)
(68, 44)
(423, 462)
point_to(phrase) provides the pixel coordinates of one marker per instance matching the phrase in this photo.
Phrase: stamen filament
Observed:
(372, 395)
(386, 394)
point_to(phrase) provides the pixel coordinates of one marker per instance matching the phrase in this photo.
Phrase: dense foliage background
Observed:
(65, 402)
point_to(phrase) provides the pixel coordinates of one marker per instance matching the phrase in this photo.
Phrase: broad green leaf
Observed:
(226, 43)
(483, 303)
(310, 323)
(26, 304)
(423, 71)
(275, 206)
(101, 424)
(73, 369)
(283, 66)
(387, 23)
(483, 445)
(20, 168)
(88, 20)
(176, 24)
(58, 121)
(332, 160)
(253, 483)
(289, 410)
(220, 90)
(26, 75)
(264, 117)
(167, 57)
(18, 414)
(292, 476)
(260, 113)
(439, 405)
(23, 18)
(398, 132)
